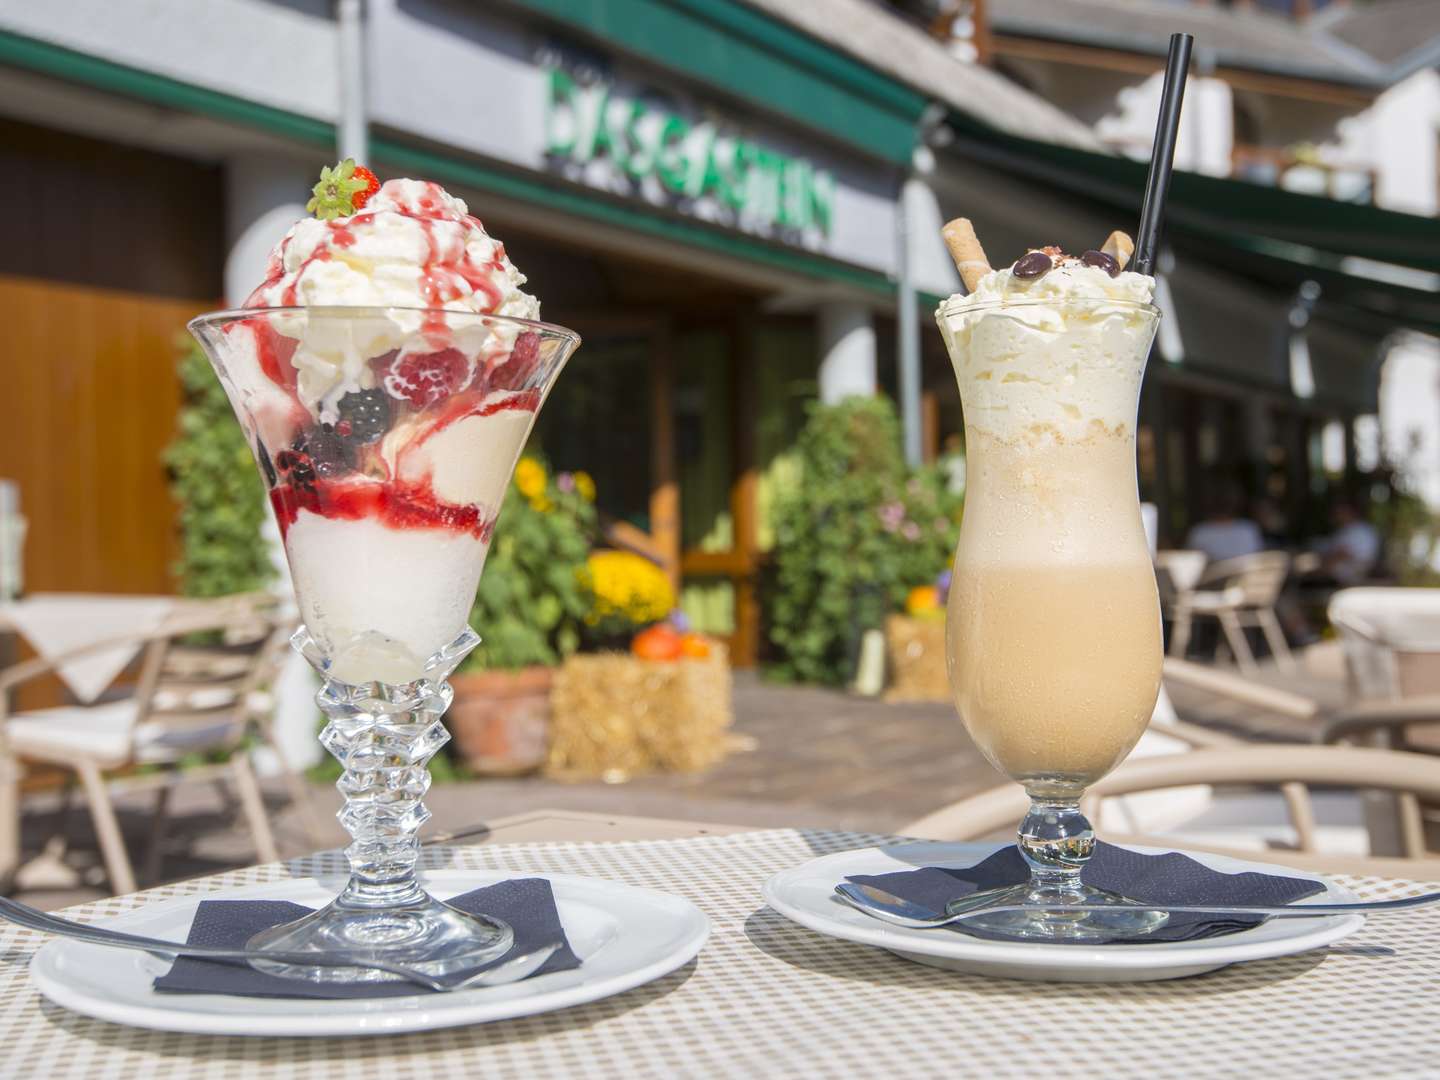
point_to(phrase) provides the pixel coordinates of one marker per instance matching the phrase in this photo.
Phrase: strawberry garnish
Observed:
(341, 190)
(372, 185)
(425, 378)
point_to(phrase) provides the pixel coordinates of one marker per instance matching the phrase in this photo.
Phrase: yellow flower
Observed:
(585, 485)
(542, 504)
(923, 600)
(530, 478)
(628, 586)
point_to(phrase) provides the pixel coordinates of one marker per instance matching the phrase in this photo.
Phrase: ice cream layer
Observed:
(469, 459)
(1058, 355)
(380, 600)
(413, 246)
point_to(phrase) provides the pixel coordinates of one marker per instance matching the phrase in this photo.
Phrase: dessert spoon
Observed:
(508, 971)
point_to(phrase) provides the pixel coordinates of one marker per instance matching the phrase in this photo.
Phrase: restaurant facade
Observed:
(738, 216)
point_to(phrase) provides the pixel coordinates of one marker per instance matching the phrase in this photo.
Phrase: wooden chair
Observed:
(1239, 594)
(1416, 775)
(201, 694)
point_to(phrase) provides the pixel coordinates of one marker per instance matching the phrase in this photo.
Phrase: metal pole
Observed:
(352, 133)
(908, 332)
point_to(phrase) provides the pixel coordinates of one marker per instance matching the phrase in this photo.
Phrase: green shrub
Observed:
(218, 490)
(852, 537)
(533, 596)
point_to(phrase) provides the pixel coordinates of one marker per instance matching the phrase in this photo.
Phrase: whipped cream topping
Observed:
(1068, 280)
(415, 246)
(1055, 356)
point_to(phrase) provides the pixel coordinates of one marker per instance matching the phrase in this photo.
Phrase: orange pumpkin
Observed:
(659, 642)
(693, 646)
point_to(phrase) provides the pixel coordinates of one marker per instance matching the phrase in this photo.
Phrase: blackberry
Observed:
(367, 412)
(326, 450)
(295, 466)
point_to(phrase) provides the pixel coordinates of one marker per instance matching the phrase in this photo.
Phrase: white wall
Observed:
(277, 52)
(847, 352)
(1206, 123)
(1410, 413)
(1398, 136)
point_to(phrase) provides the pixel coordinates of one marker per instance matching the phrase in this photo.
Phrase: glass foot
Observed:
(420, 932)
(1040, 925)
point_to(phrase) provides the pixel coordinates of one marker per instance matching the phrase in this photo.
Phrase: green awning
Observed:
(1383, 265)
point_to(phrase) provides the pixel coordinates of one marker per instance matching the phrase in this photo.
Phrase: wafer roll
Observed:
(1120, 247)
(965, 249)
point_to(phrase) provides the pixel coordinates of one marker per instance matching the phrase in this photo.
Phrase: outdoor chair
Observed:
(200, 694)
(1391, 638)
(998, 810)
(1239, 594)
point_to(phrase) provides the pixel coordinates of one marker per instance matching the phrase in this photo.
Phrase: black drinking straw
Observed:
(1162, 153)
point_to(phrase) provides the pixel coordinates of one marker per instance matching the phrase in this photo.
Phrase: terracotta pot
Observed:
(500, 720)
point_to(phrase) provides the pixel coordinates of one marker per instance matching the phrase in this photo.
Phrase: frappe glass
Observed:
(1054, 640)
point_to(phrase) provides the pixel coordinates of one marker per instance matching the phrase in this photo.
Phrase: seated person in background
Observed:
(1350, 553)
(1224, 534)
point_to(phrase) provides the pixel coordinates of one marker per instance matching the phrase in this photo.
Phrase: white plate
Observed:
(624, 936)
(806, 894)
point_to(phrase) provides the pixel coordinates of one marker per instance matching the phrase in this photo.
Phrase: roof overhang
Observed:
(1383, 265)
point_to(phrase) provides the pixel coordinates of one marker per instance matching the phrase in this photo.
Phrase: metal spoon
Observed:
(892, 909)
(512, 970)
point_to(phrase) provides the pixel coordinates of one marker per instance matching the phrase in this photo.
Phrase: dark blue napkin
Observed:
(527, 904)
(1171, 878)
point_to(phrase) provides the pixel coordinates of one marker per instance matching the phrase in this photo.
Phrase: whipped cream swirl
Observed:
(413, 246)
(1058, 355)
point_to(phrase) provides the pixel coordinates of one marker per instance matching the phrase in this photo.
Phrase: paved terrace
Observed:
(815, 758)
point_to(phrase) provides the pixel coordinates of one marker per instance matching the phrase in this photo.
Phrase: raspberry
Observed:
(365, 415)
(515, 372)
(425, 378)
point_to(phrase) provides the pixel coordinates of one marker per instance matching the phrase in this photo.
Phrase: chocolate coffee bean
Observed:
(1032, 265)
(1102, 261)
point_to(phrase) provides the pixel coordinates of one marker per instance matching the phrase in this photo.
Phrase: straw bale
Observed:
(916, 651)
(614, 716)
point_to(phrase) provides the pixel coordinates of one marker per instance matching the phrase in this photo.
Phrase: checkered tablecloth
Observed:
(768, 998)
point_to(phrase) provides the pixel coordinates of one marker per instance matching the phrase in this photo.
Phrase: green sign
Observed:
(765, 190)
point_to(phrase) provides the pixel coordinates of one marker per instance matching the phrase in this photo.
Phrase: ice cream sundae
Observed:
(387, 386)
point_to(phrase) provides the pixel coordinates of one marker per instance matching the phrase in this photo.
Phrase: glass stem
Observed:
(383, 735)
(1056, 841)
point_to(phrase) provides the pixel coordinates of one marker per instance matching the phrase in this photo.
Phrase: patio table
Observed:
(768, 998)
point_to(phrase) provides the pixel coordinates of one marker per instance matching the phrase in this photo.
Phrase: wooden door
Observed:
(87, 407)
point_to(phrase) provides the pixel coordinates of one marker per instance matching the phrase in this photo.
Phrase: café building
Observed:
(737, 205)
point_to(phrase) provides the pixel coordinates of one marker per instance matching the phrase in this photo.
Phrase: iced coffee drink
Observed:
(1054, 637)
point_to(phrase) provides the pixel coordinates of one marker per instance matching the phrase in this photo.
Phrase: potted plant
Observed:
(852, 539)
(528, 611)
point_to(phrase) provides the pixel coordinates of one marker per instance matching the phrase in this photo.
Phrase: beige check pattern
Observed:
(767, 998)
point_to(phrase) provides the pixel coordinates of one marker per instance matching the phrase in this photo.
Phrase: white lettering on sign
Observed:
(760, 189)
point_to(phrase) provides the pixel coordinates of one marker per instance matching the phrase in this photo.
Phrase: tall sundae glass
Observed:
(1053, 628)
(387, 374)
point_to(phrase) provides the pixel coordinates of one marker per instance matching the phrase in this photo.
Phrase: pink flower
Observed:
(910, 531)
(891, 515)
(565, 482)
